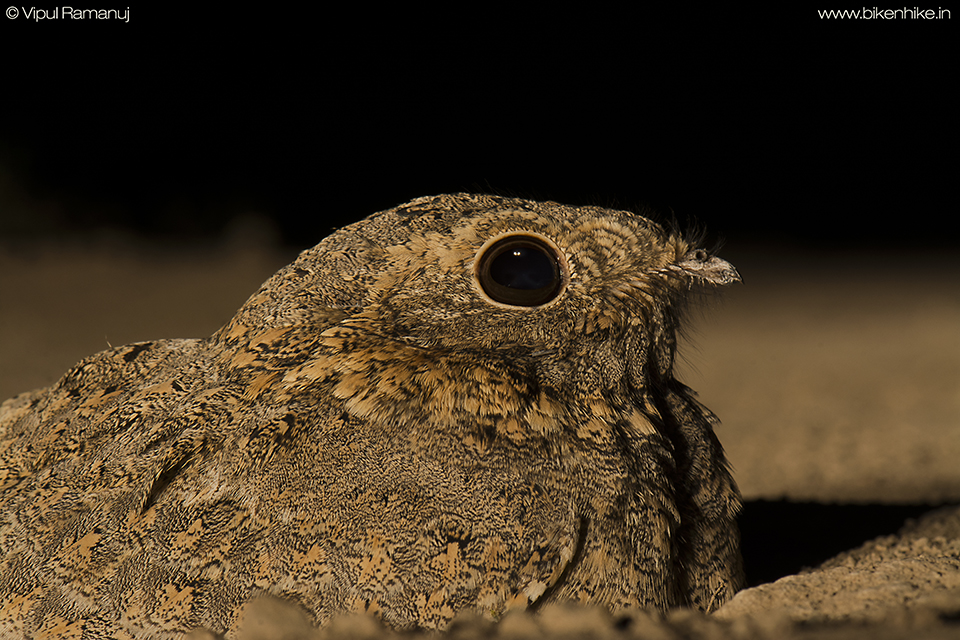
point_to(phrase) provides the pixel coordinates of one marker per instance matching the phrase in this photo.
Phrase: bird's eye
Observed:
(522, 271)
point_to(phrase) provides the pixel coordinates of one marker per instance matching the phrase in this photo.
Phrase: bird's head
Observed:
(583, 295)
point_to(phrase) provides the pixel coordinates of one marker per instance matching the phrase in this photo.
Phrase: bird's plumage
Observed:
(394, 424)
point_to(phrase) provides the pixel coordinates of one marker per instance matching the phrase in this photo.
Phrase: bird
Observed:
(465, 403)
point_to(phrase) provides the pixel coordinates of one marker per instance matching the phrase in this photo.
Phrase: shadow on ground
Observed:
(781, 537)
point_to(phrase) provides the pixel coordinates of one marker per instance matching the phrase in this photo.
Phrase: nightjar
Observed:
(466, 402)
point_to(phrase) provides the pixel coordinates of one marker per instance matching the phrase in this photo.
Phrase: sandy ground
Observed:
(837, 377)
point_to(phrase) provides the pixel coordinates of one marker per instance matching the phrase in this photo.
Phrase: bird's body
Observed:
(463, 403)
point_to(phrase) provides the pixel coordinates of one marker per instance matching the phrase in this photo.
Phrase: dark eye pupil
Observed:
(521, 271)
(523, 268)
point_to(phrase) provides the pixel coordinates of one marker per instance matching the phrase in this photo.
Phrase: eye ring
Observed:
(520, 270)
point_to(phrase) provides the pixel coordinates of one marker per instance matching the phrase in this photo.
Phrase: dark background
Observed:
(769, 126)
